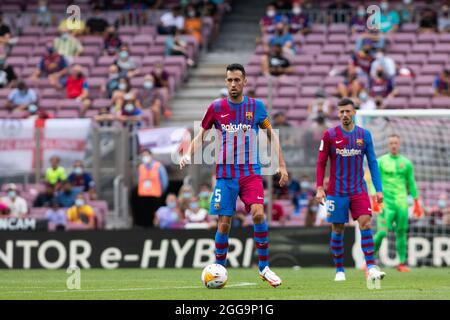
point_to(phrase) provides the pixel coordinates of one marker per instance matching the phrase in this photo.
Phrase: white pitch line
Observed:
(240, 284)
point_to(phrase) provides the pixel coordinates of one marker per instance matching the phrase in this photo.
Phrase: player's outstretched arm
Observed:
(273, 138)
(321, 165)
(195, 144)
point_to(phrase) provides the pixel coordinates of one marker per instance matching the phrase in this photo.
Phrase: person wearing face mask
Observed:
(389, 18)
(269, 20)
(53, 66)
(66, 197)
(359, 20)
(283, 38)
(67, 45)
(112, 83)
(298, 21)
(385, 62)
(444, 19)
(365, 101)
(196, 217)
(407, 11)
(112, 41)
(127, 65)
(81, 213)
(204, 196)
(128, 106)
(397, 178)
(16, 204)
(193, 23)
(43, 16)
(184, 197)
(364, 58)
(77, 88)
(8, 77)
(21, 97)
(153, 182)
(56, 173)
(381, 85)
(79, 177)
(168, 216)
(150, 99)
(351, 86)
(161, 83)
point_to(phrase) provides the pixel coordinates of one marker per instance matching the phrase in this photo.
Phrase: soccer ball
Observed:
(214, 276)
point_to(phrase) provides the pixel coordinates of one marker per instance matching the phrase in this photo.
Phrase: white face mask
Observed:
(384, 6)
(271, 13)
(297, 10)
(32, 108)
(146, 159)
(148, 84)
(407, 1)
(79, 202)
(128, 96)
(122, 86)
(129, 107)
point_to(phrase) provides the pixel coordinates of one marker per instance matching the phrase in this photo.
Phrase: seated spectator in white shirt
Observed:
(385, 62)
(196, 217)
(57, 216)
(20, 98)
(171, 20)
(127, 65)
(17, 205)
(444, 19)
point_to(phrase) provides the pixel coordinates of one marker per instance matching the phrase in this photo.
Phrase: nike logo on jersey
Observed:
(260, 198)
(223, 116)
(339, 141)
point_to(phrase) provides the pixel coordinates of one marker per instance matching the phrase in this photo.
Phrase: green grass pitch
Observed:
(185, 284)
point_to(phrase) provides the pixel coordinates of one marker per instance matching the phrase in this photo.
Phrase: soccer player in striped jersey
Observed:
(237, 119)
(346, 145)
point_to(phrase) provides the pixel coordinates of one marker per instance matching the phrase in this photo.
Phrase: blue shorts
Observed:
(250, 189)
(338, 207)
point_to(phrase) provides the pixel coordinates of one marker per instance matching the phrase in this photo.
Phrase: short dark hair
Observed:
(236, 66)
(346, 101)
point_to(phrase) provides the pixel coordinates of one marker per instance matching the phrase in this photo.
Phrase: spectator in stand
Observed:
(204, 196)
(278, 214)
(53, 66)
(56, 216)
(442, 83)
(176, 46)
(161, 77)
(5, 33)
(359, 21)
(55, 174)
(112, 84)
(381, 85)
(96, 25)
(407, 11)
(270, 20)
(184, 197)
(81, 213)
(150, 99)
(127, 65)
(168, 216)
(67, 45)
(66, 197)
(43, 17)
(350, 86)
(279, 120)
(298, 20)
(171, 20)
(319, 105)
(45, 199)
(112, 42)
(77, 88)
(127, 104)
(339, 12)
(385, 62)
(16, 204)
(79, 178)
(363, 59)
(428, 21)
(148, 196)
(20, 98)
(440, 213)
(193, 23)
(8, 77)
(389, 18)
(372, 36)
(283, 38)
(275, 63)
(444, 19)
(366, 102)
(195, 215)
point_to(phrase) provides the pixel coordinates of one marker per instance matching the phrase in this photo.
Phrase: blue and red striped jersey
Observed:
(346, 151)
(237, 126)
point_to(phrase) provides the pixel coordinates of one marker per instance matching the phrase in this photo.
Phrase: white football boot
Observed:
(375, 274)
(270, 276)
(340, 276)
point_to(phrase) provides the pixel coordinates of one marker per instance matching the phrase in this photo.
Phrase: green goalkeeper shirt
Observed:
(397, 178)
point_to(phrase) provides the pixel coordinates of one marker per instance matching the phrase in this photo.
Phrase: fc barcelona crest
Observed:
(249, 115)
(216, 206)
(359, 142)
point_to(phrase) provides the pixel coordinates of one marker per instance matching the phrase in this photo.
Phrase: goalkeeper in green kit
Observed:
(397, 178)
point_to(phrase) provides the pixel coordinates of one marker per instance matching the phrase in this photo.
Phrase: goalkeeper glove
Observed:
(417, 210)
(376, 207)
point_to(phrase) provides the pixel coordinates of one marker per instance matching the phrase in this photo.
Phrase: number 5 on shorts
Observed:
(330, 205)
(217, 195)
